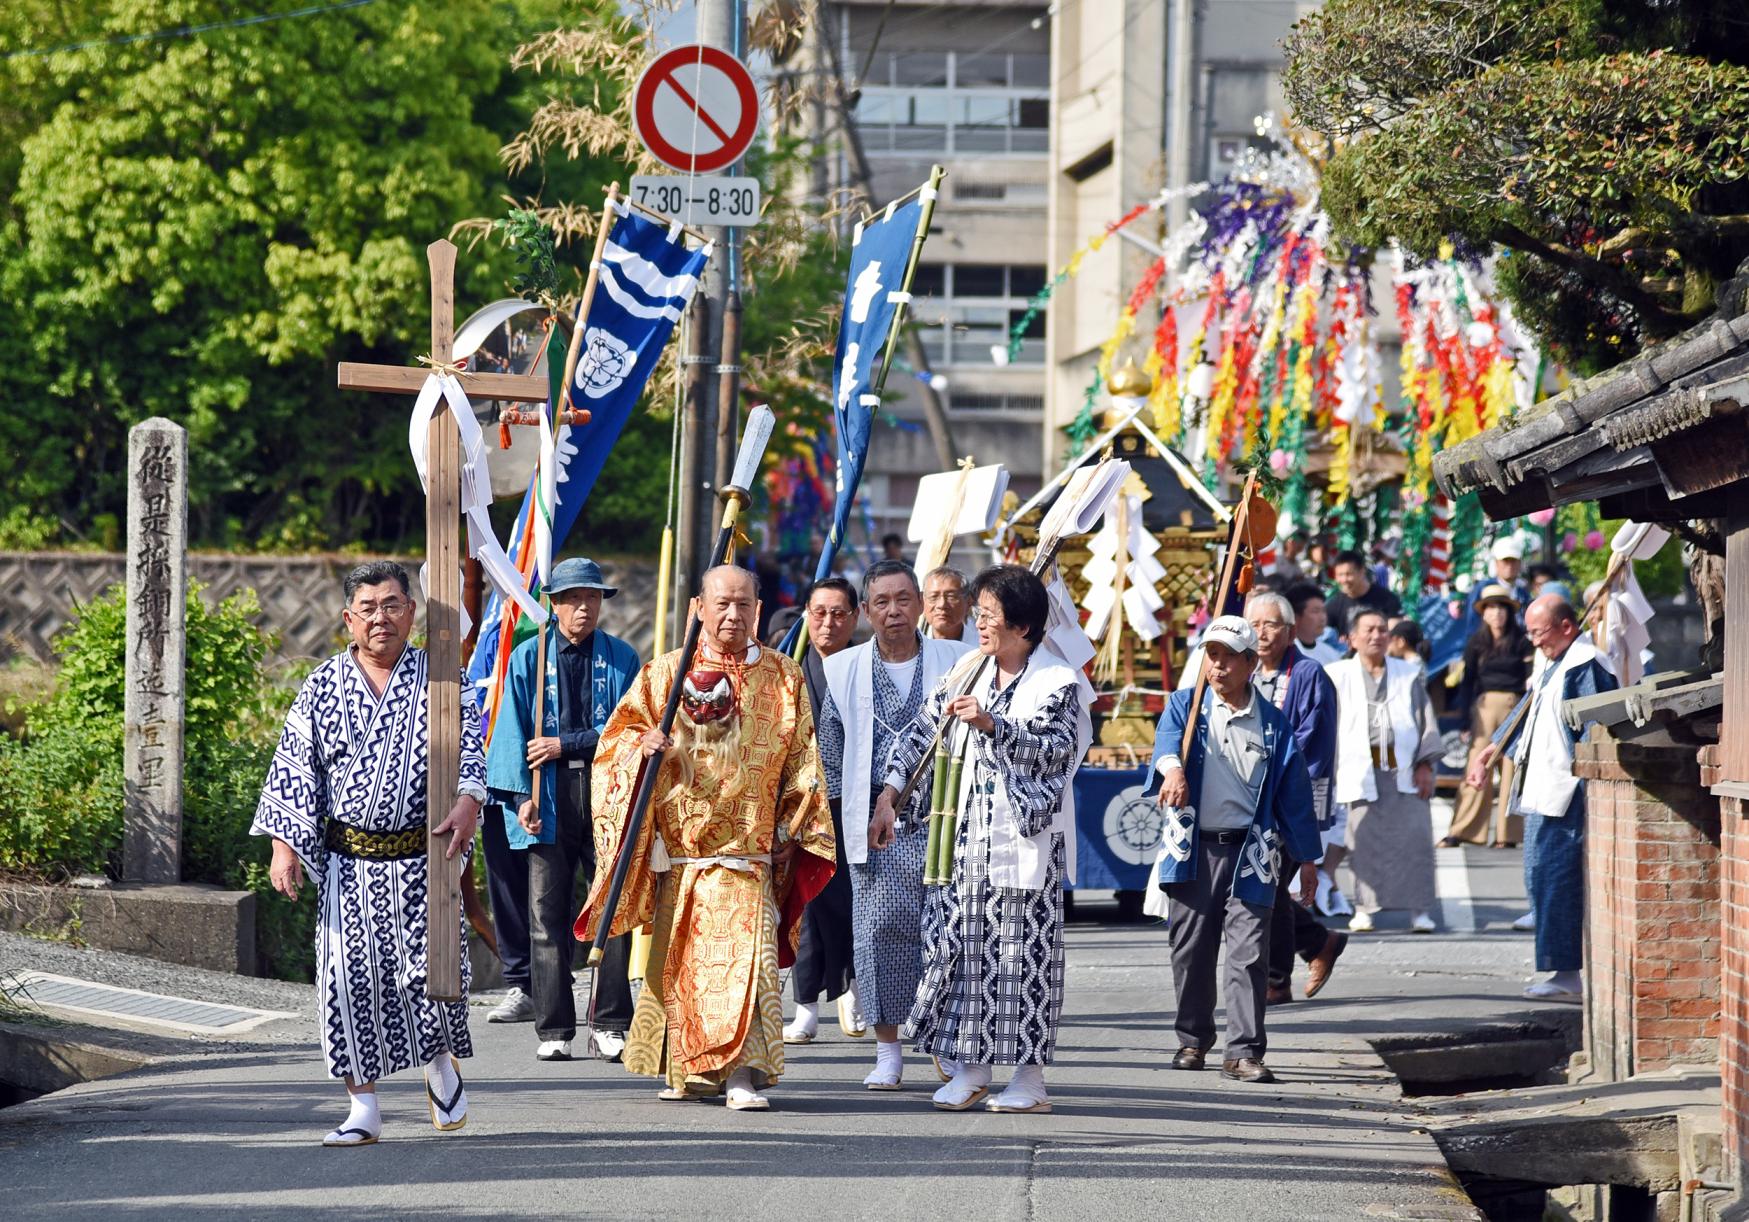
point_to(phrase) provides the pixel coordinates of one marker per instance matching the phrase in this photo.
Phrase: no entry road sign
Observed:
(696, 109)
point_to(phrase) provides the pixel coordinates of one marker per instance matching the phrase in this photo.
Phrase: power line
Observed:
(187, 30)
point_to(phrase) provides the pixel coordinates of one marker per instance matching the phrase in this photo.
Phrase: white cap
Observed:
(1232, 632)
(1507, 547)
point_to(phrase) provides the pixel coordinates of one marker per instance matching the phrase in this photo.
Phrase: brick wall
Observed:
(1734, 965)
(1652, 907)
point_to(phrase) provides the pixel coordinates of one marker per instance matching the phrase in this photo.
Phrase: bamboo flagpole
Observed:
(1238, 540)
(547, 485)
(927, 193)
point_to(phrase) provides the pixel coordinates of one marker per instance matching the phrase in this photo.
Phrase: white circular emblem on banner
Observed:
(1132, 826)
(604, 363)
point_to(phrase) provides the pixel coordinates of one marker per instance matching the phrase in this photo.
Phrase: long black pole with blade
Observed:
(753, 443)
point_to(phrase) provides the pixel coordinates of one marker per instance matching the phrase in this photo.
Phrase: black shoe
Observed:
(1246, 1069)
(1189, 1058)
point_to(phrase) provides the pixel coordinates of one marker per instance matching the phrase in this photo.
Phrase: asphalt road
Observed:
(218, 1129)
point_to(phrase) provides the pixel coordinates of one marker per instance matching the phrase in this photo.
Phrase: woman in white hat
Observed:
(1496, 668)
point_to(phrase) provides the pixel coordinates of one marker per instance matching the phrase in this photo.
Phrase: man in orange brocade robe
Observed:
(738, 840)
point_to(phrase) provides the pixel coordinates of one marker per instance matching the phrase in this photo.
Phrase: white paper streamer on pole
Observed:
(1626, 609)
(483, 544)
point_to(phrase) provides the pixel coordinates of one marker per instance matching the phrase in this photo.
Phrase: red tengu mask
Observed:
(708, 695)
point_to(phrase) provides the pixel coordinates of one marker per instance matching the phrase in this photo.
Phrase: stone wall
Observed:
(1652, 908)
(40, 592)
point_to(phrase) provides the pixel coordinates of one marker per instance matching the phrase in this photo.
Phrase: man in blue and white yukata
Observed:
(588, 670)
(875, 691)
(344, 801)
(1548, 795)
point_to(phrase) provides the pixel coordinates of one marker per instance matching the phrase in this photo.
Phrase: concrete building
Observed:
(1052, 120)
(1147, 94)
(966, 85)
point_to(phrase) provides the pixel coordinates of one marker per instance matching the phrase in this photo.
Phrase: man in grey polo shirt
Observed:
(1222, 855)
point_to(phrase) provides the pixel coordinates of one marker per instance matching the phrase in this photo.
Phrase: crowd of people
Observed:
(894, 820)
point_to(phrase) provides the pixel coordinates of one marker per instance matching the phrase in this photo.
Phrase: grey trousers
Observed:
(1203, 916)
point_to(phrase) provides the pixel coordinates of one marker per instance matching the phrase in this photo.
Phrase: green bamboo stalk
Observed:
(950, 818)
(932, 856)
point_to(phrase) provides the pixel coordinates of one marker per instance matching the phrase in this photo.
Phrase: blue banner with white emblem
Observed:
(1119, 828)
(646, 280)
(879, 259)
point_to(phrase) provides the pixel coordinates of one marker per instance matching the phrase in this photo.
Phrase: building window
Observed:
(1015, 194)
(981, 401)
(950, 101)
(964, 310)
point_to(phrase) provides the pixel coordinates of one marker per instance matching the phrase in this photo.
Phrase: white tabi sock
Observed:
(445, 1087)
(741, 1091)
(1025, 1089)
(889, 1064)
(807, 1017)
(363, 1124)
(1573, 981)
(442, 1076)
(967, 1082)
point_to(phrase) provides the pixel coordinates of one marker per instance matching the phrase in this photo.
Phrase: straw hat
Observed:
(1496, 593)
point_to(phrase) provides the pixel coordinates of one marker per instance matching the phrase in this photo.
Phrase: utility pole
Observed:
(721, 24)
(694, 478)
(1181, 52)
(934, 414)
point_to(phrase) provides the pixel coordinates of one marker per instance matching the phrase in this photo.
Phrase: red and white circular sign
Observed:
(696, 109)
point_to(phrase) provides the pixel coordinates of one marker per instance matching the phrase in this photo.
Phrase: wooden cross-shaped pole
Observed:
(443, 634)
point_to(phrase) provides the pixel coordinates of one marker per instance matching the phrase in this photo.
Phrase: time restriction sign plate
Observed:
(699, 201)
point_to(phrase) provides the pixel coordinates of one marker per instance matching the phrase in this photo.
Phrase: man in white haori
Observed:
(1387, 743)
(946, 613)
(1548, 795)
(344, 800)
(876, 690)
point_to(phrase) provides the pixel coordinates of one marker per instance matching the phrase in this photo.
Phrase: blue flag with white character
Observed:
(646, 280)
(872, 302)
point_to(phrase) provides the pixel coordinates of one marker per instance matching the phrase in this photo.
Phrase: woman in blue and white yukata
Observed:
(992, 988)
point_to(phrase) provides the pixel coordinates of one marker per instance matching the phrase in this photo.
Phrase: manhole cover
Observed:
(85, 999)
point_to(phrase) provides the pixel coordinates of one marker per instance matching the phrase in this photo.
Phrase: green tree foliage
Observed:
(1602, 142)
(61, 784)
(201, 227)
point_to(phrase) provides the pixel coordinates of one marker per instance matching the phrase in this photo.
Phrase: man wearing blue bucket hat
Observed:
(588, 671)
